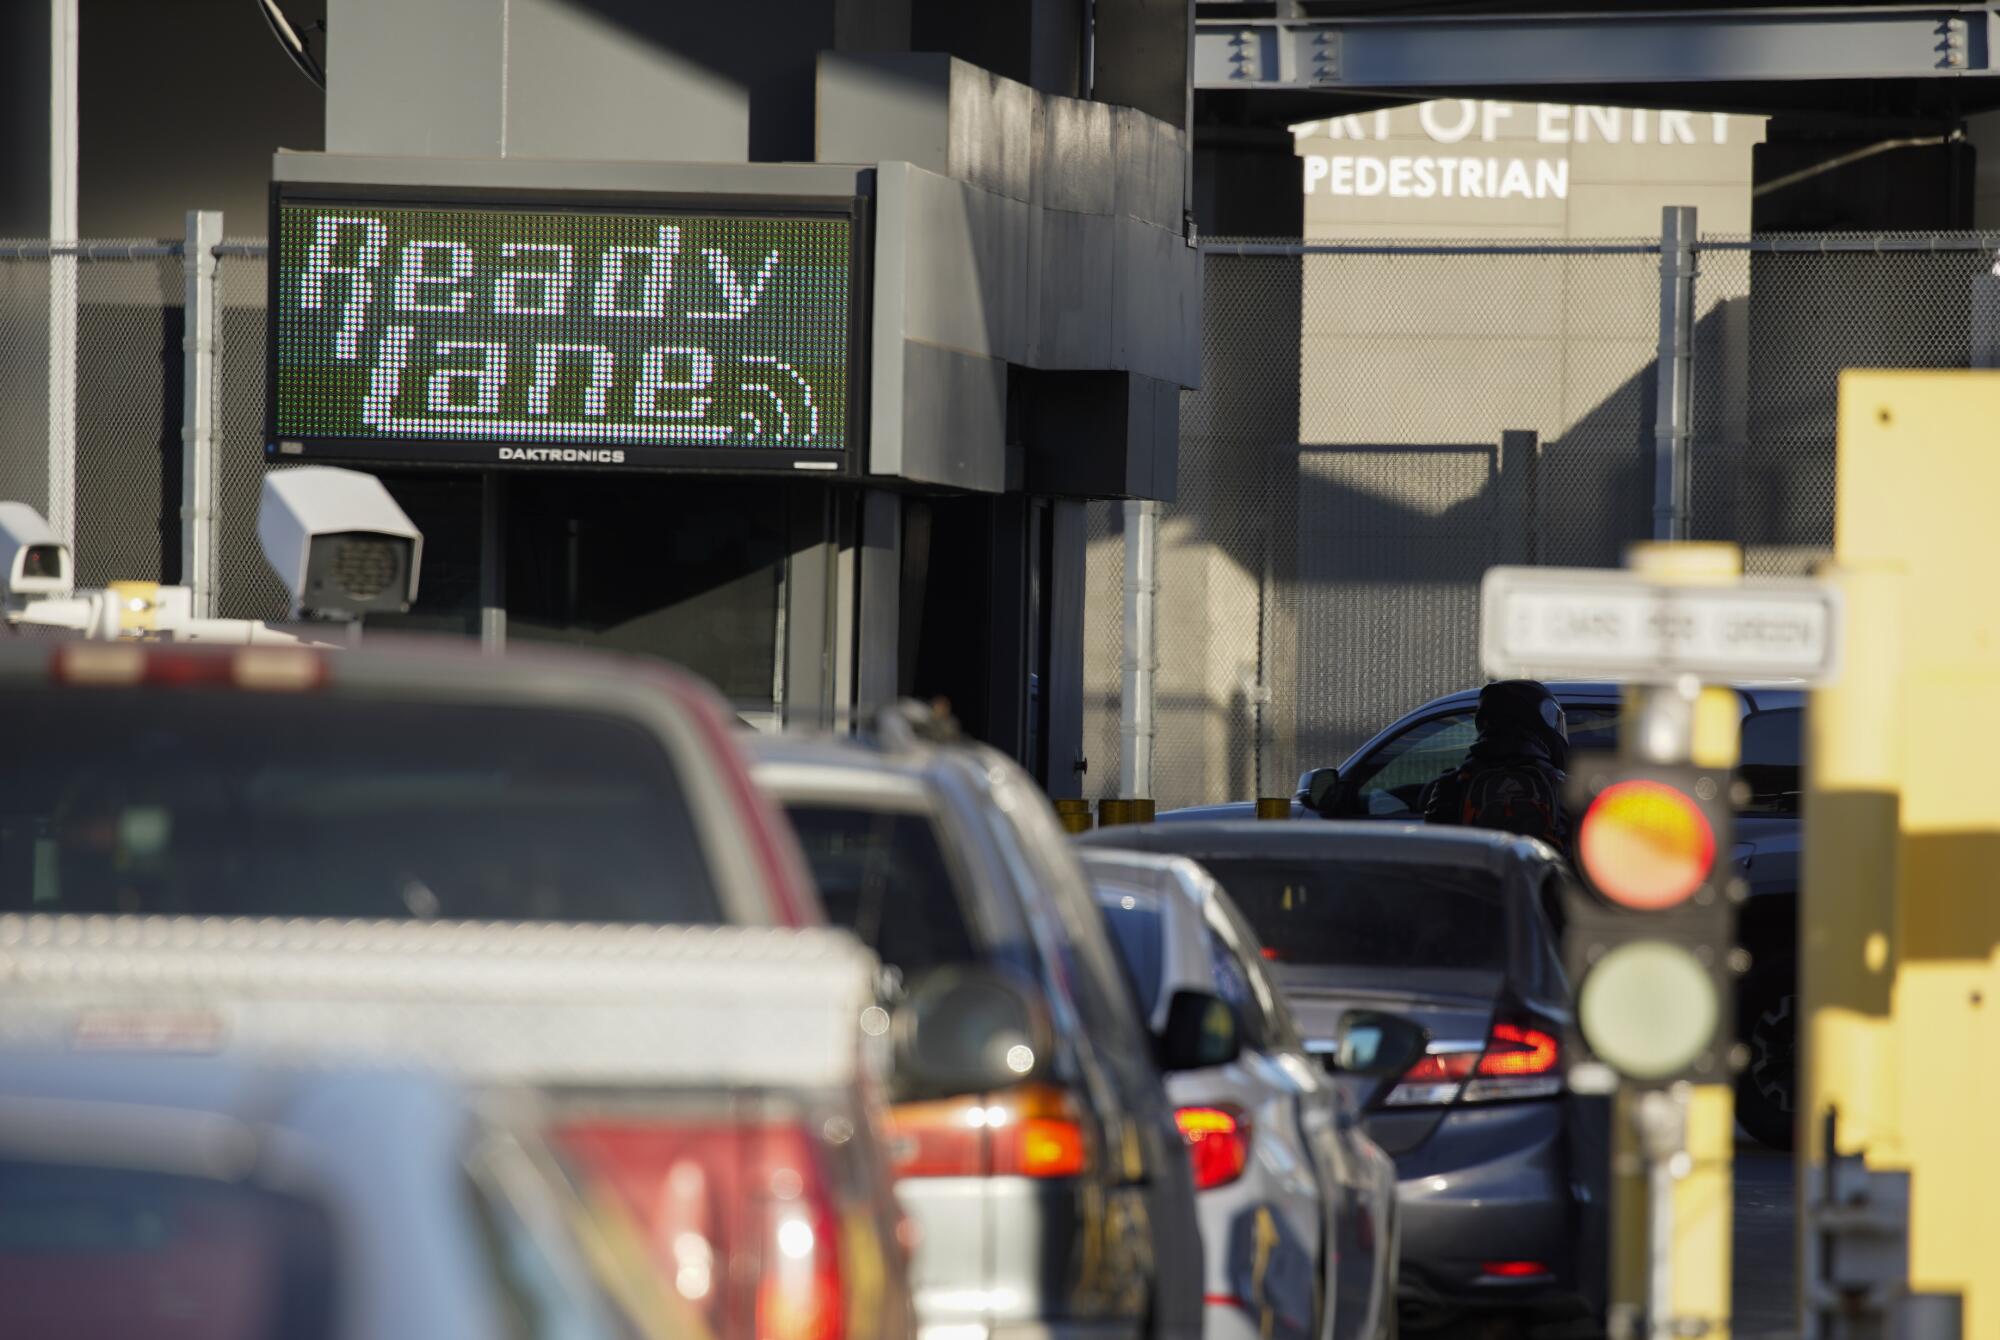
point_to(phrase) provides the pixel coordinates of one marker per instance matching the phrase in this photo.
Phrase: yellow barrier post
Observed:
(1699, 1173)
(1900, 916)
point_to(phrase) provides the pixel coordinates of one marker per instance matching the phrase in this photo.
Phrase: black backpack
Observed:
(1511, 798)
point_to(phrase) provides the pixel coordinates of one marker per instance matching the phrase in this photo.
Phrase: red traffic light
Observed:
(1645, 845)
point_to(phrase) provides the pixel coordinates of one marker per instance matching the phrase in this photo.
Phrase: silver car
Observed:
(1297, 1205)
(1058, 1206)
(176, 1197)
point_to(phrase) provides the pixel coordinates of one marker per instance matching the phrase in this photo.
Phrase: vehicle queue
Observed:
(405, 990)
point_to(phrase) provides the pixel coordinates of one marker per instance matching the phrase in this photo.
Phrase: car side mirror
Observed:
(1320, 790)
(968, 1029)
(1378, 1045)
(1201, 1031)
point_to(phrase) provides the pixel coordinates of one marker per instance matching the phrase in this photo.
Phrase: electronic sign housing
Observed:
(512, 327)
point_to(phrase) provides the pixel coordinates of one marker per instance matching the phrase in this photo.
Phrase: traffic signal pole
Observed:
(1685, 1134)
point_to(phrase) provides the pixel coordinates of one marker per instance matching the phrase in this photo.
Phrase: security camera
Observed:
(34, 562)
(338, 541)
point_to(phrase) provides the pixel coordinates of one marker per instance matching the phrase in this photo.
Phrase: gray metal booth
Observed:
(862, 475)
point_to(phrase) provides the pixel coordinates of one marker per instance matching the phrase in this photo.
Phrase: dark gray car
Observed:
(1057, 1208)
(1449, 927)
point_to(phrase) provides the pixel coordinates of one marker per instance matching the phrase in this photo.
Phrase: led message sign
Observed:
(513, 335)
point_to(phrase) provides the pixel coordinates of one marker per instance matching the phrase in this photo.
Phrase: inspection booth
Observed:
(822, 432)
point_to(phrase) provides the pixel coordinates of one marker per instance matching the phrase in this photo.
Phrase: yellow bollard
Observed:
(1074, 814)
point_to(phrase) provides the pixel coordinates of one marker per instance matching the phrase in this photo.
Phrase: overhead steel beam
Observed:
(1713, 46)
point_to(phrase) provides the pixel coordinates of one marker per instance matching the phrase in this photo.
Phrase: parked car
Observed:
(1061, 1203)
(1297, 1204)
(705, 1094)
(213, 1198)
(1384, 778)
(1448, 927)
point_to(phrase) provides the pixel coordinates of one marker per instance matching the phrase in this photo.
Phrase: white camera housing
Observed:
(338, 541)
(34, 562)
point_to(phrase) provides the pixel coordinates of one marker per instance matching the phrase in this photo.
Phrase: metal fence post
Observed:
(200, 338)
(61, 510)
(1673, 424)
(1138, 720)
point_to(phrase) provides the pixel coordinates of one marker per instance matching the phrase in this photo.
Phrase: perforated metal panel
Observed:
(246, 586)
(127, 297)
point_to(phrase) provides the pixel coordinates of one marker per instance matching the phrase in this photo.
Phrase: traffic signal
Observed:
(1651, 927)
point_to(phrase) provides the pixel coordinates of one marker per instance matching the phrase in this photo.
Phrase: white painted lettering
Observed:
(1516, 180)
(1316, 167)
(1718, 127)
(1491, 114)
(1369, 176)
(1428, 115)
(1551, 123)
(1343, 176)
(1471, 177)
(1427, 178)
(1552, 179)
(1638, 125)
(1399, 178)
(1610, 122)
(1677, 127)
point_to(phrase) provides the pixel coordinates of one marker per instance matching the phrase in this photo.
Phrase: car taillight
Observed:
(739, 1219)
(122, 664)
(1218, 1140)
(1035, 1130)
(1516, 1061)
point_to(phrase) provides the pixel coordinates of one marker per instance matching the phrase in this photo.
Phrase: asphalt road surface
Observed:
(1763, 1266)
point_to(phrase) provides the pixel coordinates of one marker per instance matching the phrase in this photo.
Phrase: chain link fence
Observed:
(99, 330)
(1378, 423)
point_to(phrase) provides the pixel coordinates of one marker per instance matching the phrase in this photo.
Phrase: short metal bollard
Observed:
(1074, 814)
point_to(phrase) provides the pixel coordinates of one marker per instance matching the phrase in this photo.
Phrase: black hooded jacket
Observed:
(1521, 727)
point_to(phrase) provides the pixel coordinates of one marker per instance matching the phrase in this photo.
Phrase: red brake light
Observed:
(1514, 1050)
(122, 664)
(738, 1217)
(1035, 1130)
(1515, 1270)
(1218, 1142)
(1517, 1061)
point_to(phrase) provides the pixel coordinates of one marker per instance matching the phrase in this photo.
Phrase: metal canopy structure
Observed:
(1920, 61)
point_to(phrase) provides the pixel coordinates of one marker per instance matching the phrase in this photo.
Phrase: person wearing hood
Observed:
(1514, 775)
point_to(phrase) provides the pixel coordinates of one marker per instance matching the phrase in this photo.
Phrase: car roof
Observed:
(1331, 840)
(1760, 697)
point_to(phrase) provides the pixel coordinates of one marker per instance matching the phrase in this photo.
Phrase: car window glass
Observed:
(1592, 727)
(1369, 915)
(1391, 780)
(1081, 943)
(313, 805)
(538, 1291)
(1139, 933)
(1771, 753)
(118, 1254)
(1274, 1026)
(885, 877)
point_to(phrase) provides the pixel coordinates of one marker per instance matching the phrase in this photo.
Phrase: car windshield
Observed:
(1352, 914)
(1139, 932)
(1771, 761)
(93, 1253)
(234, 804)
(884, 876)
